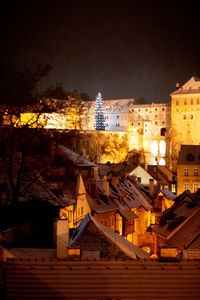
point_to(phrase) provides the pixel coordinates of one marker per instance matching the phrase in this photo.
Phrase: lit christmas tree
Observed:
(99, 113)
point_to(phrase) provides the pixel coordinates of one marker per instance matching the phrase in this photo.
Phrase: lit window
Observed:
(156, 123)
(162, 162)
(177, 103)
(154, 148)
(173, 188)
(163, 109)
(191, 101)
(196, 172)
(184, 117)
(186, 172)
(191, 117)
(162, 148)
(186, 186)
(197, 101)
(185, 102)
(156, 109)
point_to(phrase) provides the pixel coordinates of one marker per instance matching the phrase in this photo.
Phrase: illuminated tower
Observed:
(99, 113)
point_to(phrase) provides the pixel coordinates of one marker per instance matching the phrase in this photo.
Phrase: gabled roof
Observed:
(113, 105)
(115, 169)
(113, 202)
(126, 247)
(143, 174)
(189, 154)
(188, 232)
(101, 205)
(185, 205)
(191, 86)
(132, 194)
(161, 173)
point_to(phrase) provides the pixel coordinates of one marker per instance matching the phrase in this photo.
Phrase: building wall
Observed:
(185, 114)
(188, 178)
(147, 125)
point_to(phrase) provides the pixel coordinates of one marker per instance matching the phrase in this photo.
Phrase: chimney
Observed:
(92, 189)
(177, 85)
(61, 237)
(106, 188)
(151, 186)
(96, 172)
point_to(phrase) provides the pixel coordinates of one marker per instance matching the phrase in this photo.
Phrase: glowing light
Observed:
(162, 148)
(154, 148)
(99, 113)
(162, 162)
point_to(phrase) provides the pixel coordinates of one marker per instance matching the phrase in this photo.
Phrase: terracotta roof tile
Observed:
(59, 279)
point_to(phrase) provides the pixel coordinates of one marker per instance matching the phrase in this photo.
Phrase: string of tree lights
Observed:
(99, 113)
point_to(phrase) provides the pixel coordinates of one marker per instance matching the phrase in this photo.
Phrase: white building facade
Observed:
(147, 125)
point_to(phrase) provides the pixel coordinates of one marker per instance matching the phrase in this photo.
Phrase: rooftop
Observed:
(102, 279)
(190, 87)
(189, 154)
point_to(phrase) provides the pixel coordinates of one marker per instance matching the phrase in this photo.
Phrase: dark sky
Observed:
(121, 48)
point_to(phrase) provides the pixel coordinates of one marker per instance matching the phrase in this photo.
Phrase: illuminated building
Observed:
(116, 114)
(188, 169)
(157, 130)
(147, 126)
(185, 115)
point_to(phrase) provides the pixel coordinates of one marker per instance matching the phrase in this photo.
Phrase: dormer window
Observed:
(190, 157)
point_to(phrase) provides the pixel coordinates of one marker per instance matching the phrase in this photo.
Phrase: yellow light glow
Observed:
(162, 162)
(162, 148)
(154, 148)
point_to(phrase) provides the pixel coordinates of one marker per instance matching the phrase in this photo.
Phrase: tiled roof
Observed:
(190, 87)
(101, 206)
(188, 233)
(168, 194)
(133, 195)
(116, 201)
(189, 154)
(129, 249)
(83, 280)
(114, 105)
(116, 169)
(74, 157)
(184, 206)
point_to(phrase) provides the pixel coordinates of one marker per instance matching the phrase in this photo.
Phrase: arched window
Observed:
(162, 162)
(154, 148)
(162, 148)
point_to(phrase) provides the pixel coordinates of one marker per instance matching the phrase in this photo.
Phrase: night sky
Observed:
(124, 49)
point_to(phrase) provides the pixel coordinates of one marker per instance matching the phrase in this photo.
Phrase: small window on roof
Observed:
(190, 157)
